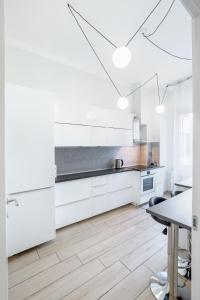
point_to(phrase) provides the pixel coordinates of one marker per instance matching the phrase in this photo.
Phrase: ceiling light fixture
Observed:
(160, 108)
(121, 57)
(122, 103)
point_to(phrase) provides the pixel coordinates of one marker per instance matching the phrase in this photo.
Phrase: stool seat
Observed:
(154, 201)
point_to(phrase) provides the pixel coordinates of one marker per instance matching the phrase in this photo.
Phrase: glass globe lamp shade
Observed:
(122, 103)
(121, 57)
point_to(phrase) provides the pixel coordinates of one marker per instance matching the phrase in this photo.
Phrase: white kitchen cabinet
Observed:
(72, 135)
(159, 182)
(144, 106)
(80, 199)
(120, 181)
(81, 135)
(100, 204)
(73, 212)
(86, 125)
(119, 137)
(72, 191)
(29, 126)
(30, 219)
(84, 114)
(98, 136)
(119, 198)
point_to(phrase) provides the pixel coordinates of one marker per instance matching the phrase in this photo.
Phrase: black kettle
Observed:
(119, 163)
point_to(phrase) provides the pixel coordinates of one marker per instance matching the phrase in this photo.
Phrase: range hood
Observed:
(139, 132)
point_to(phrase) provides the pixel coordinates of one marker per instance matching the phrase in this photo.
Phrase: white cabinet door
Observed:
(120, 181)
(119, 198)
(119, 137)
(32, 222)
(99, 136)
(68, 112)
(73, 212)
(29, 152)
(72, 191)
(73, 113)
(100, 204)
(72, 135)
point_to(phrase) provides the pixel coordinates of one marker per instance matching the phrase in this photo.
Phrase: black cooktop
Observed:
(145, 167)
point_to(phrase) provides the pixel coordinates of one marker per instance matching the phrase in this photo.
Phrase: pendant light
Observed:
(121, 57)
(122, 103)
(160, 108)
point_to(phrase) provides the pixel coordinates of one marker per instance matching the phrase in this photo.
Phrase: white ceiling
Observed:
(47, 27)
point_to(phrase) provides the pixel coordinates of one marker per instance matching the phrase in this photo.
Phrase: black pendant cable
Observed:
(94, 51)
(104, 68)
(74, 12)
(146, 36)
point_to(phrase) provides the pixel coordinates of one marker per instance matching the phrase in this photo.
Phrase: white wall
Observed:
(3, 260)
(28, 69)
(178, 101)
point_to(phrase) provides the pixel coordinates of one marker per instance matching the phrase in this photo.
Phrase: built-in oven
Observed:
(147, 182)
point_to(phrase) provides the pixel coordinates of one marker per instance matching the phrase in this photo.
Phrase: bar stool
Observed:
(159, 282)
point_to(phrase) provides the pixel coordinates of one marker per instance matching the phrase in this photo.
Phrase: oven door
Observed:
(147, 184)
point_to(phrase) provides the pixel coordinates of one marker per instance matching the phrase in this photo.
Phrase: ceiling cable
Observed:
(104, 68)
(163, 19)
(139, 28)
(95, 53)
(158, 88)
(98, 31)
(151, 12)
(140, 86)
(165, 92)
(167, 52)
(174, 84)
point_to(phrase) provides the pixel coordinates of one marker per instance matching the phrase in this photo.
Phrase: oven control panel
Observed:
(147, 173)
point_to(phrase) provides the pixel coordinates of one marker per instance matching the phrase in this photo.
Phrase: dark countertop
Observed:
(81, 175)
(187, 183)
(176, 210)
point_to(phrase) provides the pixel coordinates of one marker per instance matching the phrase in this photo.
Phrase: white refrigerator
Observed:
(30, 171)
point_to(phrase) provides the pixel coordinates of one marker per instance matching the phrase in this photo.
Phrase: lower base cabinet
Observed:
(99, 204)
(73, 212)
(103, 193)
(119, 198)
(30, 219)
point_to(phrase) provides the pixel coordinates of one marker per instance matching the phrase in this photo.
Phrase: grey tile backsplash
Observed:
(81, 159)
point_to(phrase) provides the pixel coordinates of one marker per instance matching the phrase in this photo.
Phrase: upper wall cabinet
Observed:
(86, 125)
(145, 108)
(66, 112)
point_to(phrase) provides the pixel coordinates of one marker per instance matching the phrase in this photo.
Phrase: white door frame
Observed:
(3, 259)
(193, 7)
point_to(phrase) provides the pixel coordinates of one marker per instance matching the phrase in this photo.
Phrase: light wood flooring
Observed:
(110, 256)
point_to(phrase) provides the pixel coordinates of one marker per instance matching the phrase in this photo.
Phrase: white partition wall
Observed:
(3, 261)
(193, 7)
(196, 162)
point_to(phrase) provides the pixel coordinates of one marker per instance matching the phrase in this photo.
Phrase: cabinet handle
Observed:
(13, 200)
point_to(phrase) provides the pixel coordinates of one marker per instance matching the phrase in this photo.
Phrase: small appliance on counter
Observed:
(119, 163)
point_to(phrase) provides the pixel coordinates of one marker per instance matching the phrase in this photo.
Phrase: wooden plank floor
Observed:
(110, 256)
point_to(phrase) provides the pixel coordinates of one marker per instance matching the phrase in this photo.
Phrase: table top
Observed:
(176, 210)
(187, 183)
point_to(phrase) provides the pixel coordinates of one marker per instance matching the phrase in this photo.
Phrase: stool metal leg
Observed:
(173, 261)
(159, 284)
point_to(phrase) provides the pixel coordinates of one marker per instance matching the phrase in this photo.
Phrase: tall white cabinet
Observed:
(30, 171)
